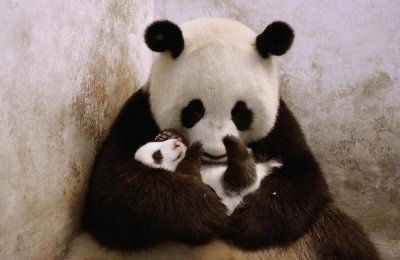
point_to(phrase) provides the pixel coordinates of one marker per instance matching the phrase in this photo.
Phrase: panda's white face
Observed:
(166, 155)
(218, 86)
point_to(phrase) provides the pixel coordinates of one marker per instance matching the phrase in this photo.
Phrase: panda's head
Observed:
(215, 77)
(165, 155)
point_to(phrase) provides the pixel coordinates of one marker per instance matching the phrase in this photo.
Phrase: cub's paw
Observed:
(235, 148)
(195, 150)
(168, 134)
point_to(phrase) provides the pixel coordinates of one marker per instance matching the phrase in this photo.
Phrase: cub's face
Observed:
(165, 155)
(217, 85)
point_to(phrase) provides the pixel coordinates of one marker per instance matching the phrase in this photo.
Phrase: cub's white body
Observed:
(212, 175)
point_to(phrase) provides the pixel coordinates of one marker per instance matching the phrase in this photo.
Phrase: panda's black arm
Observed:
(289, 199)
(281, 211)
(140, 209)
(130, 206)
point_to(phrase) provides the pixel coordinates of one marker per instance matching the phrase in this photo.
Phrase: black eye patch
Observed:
(241, 116)
(192, 113)
(157, 157)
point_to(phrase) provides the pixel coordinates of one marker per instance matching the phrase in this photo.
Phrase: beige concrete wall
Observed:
(65, 69)
(341, 78)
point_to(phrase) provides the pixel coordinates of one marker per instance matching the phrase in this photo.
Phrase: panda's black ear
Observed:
(276, 39)
(163, 36)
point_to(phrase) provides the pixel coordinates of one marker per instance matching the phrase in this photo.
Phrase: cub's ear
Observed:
(163, 36)
(276, 39)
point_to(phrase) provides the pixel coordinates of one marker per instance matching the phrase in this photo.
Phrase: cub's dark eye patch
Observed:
(157, 157)
(192, 113)
(241, 116)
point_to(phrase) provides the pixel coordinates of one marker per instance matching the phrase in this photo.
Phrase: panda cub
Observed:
(232, 181)
(165, 155)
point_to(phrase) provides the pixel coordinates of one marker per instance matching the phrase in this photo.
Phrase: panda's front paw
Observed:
(168, 134)
(195, 151)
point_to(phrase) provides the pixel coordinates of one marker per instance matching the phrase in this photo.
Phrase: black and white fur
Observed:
(213, 78)
(239, 177)
(231, 181)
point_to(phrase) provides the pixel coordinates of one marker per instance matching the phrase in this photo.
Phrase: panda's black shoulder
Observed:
(135, 117)
(286, 141)
(133, 127)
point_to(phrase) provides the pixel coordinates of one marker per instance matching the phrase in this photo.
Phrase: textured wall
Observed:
(342, 80)
(65, 69)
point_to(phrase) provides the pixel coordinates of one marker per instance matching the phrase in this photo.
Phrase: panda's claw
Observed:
(168, 134)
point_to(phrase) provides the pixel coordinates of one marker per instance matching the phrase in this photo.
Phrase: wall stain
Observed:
(110, 79)
(368, 101)
(318, 75)
(74, 182)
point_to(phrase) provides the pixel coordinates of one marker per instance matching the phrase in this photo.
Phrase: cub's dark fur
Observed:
(241, 169)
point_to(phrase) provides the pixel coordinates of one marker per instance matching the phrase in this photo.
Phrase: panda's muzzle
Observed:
(214, 157)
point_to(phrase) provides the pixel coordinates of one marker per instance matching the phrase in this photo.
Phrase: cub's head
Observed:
(215, 77)
(165, 155)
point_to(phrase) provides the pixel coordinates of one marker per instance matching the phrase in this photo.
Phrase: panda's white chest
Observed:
(212, 175)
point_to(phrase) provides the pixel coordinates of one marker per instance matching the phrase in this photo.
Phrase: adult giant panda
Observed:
(213, 78)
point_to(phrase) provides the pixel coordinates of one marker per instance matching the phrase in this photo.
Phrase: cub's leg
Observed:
(241, 168)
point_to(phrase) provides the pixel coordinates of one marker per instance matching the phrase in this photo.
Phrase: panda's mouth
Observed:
(214, 157)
